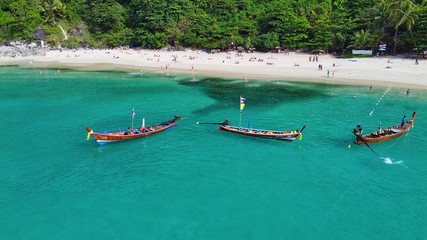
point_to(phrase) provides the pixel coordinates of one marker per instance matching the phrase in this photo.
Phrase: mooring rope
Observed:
(379, 100)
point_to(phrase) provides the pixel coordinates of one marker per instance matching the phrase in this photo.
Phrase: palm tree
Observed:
(384, 10)
(53, 9)
(404, 14)
(361, 40)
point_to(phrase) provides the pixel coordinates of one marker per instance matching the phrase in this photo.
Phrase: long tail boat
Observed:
(287, 135)
(386, 134)
(123, 135)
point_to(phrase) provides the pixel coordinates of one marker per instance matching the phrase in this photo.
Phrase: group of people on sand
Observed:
(315, 59)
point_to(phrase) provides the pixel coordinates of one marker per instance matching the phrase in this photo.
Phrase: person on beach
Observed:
(328, 73)
(408, 92)
(333, 74)
(416, 61)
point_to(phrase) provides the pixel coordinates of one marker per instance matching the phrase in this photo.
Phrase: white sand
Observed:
(399, 72)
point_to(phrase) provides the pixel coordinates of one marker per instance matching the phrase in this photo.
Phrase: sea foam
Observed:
(388, 160)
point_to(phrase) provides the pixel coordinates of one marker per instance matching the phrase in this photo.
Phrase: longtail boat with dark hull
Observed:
(386, 134)
(123, 135)
(288, 136)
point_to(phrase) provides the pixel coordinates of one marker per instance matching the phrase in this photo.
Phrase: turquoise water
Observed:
(195, 182)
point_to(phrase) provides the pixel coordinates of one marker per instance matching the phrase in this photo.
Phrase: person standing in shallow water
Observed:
(408, 92)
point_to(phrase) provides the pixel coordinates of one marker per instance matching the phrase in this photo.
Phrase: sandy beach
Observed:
(378, 71)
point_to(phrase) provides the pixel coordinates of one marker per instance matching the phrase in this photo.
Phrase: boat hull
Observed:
(389, 133)
(118, 136)
(276, 135)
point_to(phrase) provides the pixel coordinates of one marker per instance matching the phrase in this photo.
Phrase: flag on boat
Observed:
(133, 112)
(242, 103)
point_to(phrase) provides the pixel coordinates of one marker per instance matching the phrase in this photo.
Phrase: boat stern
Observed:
(89, 132)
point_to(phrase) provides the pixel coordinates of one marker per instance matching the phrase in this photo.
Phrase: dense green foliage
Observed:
(334, 25)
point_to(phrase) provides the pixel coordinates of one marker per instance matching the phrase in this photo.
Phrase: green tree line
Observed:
(333, 25)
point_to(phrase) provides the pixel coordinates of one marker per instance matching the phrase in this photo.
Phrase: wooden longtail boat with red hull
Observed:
(387, 134)
(122, 135)
(288, 136)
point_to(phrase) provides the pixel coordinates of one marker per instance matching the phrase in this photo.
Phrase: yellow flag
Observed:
(242, 103)
(88, 134)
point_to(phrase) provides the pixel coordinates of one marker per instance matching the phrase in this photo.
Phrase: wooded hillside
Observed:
(333, 25)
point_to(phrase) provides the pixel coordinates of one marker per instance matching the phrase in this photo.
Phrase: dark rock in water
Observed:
(40, 34)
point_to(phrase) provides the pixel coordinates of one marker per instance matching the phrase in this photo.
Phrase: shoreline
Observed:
(293, 67)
